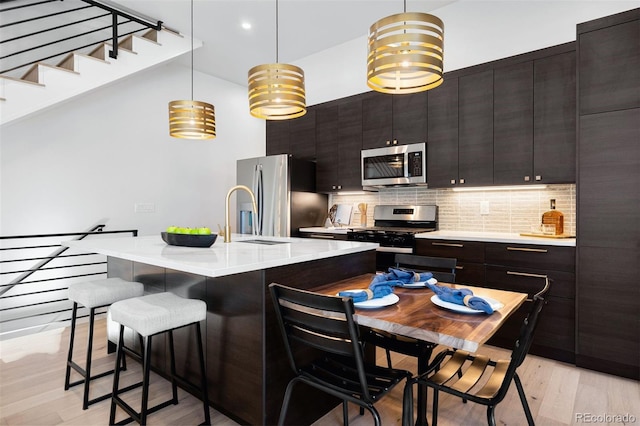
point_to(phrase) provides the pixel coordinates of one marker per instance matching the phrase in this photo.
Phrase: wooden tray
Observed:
(525, 234)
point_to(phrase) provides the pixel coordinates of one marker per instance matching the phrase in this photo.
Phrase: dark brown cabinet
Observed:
(469, 254)
(522, 268)
(296, 137)
(393, 120)
(534, 119)
(513, 124)
(442, 146)
(554, 118)
(338, 146)
(475, 129)
(608, 195)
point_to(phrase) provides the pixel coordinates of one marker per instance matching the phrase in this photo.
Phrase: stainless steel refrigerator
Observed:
(284, 188)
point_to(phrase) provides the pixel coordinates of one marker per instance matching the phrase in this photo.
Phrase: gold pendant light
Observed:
(405, 53)
(189, 119)
(276, 91)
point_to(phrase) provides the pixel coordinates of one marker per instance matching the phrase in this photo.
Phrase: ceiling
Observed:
(304, 27)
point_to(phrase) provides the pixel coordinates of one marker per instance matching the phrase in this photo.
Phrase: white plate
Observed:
(380, 302)
(421, 284)
(465, 309)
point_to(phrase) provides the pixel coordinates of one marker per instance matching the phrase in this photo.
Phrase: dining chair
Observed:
(444, 270)
(475, 377)
(325, 324)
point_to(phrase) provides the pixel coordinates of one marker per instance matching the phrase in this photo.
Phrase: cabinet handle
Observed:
(388, 142)
(395, 142)
(453, 181)
(527, 178)
(526, 274)
(527, 249)
(339, 186)
(459, 267)
(461, 180)
(447, 244)
(538, 177)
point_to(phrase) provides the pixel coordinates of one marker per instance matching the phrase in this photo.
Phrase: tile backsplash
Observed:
(514, 211)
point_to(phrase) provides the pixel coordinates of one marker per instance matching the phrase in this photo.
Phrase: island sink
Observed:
(264, 242)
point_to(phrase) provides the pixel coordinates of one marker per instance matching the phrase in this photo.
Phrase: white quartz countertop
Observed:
(496, 237)
(221, 258)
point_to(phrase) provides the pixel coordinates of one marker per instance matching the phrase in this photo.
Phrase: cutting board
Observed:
(525, 234)
(343, 214)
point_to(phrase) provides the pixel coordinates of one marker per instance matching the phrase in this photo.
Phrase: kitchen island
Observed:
(247, 369)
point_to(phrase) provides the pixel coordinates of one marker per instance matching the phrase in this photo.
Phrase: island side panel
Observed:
(307, 404)
(234, 345)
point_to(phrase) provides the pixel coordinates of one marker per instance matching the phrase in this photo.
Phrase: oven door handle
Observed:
(408, 250)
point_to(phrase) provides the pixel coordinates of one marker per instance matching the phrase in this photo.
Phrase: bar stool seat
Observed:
(149, 316)
(93, 295)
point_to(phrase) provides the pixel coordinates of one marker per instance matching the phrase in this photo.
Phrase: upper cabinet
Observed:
(339, 142)
(554, 118)
(296, 137)
(475, 129)
(393, 119)
(442, 146)
(609, 66)
(534, 120)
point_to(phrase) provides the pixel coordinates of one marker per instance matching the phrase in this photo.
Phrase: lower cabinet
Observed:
(521, 268)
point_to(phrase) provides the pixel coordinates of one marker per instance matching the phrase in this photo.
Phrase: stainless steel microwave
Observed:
(400, 165)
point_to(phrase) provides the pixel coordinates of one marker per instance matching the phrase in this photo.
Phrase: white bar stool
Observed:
(93, 295)
(149, 316)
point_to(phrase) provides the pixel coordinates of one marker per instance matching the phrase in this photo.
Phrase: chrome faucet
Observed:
(227, 227)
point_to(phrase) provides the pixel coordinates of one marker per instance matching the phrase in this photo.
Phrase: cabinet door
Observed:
(609, 180)
(442, 145)
(302, 136)
(377, 111)
(277, 137)
(326, 147)
(475, 121)
(410, 118)
(609, 64)
(469, 255)
(513, 124)
(350, 145)
(554, 119)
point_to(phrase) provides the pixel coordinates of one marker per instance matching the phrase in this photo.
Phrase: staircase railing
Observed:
(35, 31)
(35, 273)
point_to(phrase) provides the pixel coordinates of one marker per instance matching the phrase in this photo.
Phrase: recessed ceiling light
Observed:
(246, 25)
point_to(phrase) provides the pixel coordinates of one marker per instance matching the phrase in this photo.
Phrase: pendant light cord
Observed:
(277, 32)
(191, 50)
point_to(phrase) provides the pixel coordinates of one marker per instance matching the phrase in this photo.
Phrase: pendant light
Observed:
(189, 119)
(276, 91)
(405, 53)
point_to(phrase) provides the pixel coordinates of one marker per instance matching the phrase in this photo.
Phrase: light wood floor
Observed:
(32, 379)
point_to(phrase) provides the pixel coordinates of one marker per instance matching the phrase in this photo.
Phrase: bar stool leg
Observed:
(87, 368)
(145, 380)
(116, 376)
(203, 378)
(72, 335)
(174, 383)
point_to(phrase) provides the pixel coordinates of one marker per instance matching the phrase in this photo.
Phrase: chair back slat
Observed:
(320, 322)
(443, 268)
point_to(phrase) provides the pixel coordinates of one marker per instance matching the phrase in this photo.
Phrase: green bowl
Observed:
(189, 240)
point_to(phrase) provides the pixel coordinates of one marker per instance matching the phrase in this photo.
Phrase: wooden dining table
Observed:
(415, 315)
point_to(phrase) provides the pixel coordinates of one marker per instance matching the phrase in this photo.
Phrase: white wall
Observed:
(92, 159)
(476, 32)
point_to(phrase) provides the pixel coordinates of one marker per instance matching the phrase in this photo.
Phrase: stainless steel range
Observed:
(394, 229)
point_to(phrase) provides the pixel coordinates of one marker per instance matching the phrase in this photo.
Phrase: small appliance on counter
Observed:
(284, 188)
(395, 227)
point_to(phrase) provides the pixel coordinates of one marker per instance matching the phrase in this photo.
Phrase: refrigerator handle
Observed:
(260, 196)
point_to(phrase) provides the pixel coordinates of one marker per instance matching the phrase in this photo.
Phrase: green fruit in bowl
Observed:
(193, 231)
(204, 231)
(172, 229)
